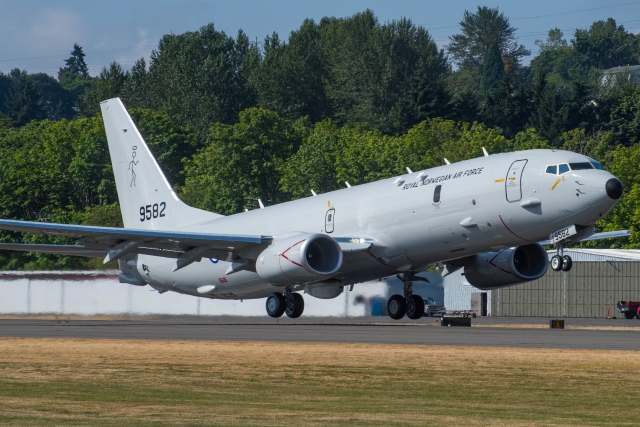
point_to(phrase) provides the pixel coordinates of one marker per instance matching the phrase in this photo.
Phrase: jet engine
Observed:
(508, 267)
(299, 258)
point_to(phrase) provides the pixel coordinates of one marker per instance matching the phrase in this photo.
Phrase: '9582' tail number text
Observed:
(152, 211)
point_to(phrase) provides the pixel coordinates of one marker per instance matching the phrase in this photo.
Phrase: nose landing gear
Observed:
(560, 261)
(289, 303)
(409, 304)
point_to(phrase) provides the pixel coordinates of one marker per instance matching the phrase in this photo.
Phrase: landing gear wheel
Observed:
(275, 304)
(397, 306)
(294, 306)
(415, 307)
(567, 263)
(556, 263)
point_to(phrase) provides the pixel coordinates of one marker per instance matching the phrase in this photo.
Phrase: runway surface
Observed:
(500, 332)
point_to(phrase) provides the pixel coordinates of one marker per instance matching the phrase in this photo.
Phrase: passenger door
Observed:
(513, 186)
(329, 220)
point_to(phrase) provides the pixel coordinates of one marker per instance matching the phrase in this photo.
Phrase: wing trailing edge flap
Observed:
(118, 243)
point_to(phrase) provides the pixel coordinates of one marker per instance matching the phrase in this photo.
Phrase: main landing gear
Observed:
(289, 303)
(560, 261)
(409, 304)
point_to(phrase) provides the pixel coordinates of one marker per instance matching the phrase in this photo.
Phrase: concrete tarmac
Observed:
(617, 334)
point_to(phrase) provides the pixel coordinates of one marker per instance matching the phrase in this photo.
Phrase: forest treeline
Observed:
(344, 99)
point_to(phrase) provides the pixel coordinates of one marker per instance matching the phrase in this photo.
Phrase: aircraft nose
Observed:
(614, 188)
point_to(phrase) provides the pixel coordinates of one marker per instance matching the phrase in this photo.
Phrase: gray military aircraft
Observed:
(487, 215)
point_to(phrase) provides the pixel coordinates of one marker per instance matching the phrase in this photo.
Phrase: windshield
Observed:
(597, 165)
(580, 166)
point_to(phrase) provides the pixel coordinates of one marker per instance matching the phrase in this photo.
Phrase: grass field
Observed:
(147, 383)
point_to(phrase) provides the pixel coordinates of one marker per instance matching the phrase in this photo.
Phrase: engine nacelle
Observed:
(509, 267)
(297, 259)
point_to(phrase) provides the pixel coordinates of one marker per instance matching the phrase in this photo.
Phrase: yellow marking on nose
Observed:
(499, 180)
(329, 203)
(554, 185)
(511, 179)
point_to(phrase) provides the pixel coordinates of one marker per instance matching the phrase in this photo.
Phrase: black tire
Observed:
(415, 307)
(628, 315)
(556, 263)
(294, 306)
(473, 315)
(275, 304)
(396, 307)
(567, 263)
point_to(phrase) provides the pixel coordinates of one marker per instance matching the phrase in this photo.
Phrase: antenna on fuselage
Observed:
(447, 161)
(260, 203)
(485, 152)
(313, 192)
(409, 170)
(348, 185)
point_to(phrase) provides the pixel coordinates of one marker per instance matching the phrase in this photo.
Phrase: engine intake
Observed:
(301, 258)
(509, 267)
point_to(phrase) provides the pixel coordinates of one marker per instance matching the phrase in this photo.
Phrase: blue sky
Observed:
(37, 35)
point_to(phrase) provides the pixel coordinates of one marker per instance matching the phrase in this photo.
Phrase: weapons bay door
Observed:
(513, 186)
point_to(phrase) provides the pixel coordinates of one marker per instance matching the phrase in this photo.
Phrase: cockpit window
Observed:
(597, 165)
(553, 169)
(563, 168)
(580, 166)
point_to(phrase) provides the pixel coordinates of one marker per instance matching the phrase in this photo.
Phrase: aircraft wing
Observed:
(595, 236)
(73, 250)
(115, 243)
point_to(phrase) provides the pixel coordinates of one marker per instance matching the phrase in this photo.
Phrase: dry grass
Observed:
(138, 383)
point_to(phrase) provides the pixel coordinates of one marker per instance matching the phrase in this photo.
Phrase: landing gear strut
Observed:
(560, 261)
(409, 304)
(289, 303)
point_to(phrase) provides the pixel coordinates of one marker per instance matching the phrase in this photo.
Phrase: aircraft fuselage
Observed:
(415, 220)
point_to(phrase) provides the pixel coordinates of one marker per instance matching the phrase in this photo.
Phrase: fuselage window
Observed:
(553, 169)
(436, 194)
(597, 165)
(563, 168)
(580, 166)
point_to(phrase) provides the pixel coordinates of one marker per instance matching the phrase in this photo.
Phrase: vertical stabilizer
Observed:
(147, 201)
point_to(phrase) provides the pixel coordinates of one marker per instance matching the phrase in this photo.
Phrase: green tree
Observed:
(605, 45)
(5, 123)
(371, 67)
(241, 163)
(290, 79)
(56, 102)
(170, 144)
(75, 64)
(109, 85)
(492, 71)
(23, 102)
(200, 77)
(479, 31)
(313, 166)
(135, 89)
(625, 119)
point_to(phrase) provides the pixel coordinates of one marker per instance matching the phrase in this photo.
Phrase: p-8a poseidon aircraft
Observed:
(487, 216)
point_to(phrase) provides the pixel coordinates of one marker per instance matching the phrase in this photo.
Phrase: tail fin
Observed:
(147, 201)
